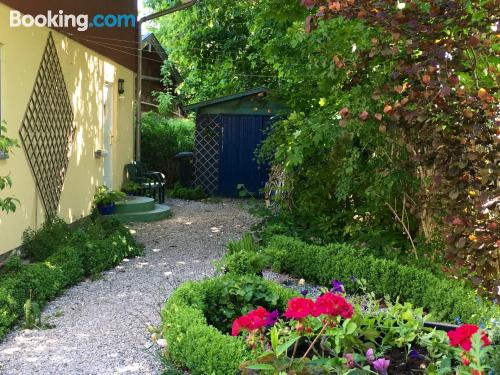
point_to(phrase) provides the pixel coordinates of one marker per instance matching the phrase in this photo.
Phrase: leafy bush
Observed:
(196, 308)
(40, 244)
(38, 282)
(245, 263)
(444, 298)
(246, 244)
(91, 247)
(162, 138)
(187, 193)
(244, 257)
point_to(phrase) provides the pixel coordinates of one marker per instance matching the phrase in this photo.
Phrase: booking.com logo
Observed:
(79, 21)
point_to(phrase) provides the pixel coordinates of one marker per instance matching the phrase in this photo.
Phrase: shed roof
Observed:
(254, 102)
(227, 98)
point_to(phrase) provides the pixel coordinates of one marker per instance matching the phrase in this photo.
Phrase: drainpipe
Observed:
(138, 88)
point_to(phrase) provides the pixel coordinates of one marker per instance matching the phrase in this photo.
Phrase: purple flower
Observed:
(381, 365)
(350, 360)
(272, 318)
(370, 355)
(337, 287)
(304, 292)
(415, 355)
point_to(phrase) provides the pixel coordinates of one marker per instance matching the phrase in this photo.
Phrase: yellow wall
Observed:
(85, 73)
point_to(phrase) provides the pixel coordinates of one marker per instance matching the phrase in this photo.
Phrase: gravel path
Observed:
(100, 326)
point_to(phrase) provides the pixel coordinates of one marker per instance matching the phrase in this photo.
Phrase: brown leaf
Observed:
(338, 62)
(382, 128)
(378, 116)
(482, 93)
(473, 41)
(426, 78)
(387, 108)
(343, 123)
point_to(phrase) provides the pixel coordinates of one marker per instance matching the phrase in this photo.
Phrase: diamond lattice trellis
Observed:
(206, 157)
(47, 129)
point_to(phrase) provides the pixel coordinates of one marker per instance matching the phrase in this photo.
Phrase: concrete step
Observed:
(135, 204)
(159, 212)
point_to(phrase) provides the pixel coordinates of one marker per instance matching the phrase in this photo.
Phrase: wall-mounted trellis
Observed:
(207, 143)
(47, 129)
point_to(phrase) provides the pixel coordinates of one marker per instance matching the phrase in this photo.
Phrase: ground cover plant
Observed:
(188, 193)
(61, 256)
(300, 335)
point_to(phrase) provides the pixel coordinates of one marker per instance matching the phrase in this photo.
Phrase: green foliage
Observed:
(196, 308)
(13, 264)
(181, 192)
(162, 138)
(444, 298)
(244, 263)
(377, 136)
(41, 243)
(7, 204)
(245, 244)
(92, 246)
(130, 187)
(244, 257)
(32, 314)
(104, 196)
(38, 282)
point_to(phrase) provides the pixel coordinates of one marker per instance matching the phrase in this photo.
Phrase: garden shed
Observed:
(228, 131)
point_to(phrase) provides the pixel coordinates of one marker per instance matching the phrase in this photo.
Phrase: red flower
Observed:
(333, 305)
(462, 336)
(299, 308)
(255, 319)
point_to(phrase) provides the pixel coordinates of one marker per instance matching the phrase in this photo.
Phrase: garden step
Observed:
(159, 212)
(135, 204)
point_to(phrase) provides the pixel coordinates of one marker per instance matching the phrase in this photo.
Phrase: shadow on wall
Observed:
(86, 94)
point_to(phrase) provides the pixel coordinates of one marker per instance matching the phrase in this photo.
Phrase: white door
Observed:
(108, 135)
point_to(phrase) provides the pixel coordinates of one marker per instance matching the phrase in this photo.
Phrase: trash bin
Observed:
(185, 168)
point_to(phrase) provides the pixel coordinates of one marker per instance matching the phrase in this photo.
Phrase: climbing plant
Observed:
(440, 102)
(7, 204)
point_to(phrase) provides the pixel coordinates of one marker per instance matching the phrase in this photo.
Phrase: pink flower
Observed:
(255, 319)
(370, 355)
(350, 360)
(381, 365)
(333, 305)
(299, 308)
(462, 336)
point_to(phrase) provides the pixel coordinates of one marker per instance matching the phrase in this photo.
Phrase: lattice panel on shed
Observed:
(206, 163)
(47, 129)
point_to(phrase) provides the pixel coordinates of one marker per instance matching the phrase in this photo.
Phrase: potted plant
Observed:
(131, 188)
(105, 200)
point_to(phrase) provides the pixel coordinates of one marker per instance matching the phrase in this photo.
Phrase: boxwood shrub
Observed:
(93, 246)
(445, 298)
(195, 308)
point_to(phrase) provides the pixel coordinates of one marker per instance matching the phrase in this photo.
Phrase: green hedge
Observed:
(191, 341)
(93, 246)
(446, 299)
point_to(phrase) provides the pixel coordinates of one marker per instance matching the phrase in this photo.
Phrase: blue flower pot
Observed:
(106, 209)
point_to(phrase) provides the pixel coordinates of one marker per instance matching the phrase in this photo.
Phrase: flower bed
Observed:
(328, 334)
(69, 254)
(195, 309)
(446, 299)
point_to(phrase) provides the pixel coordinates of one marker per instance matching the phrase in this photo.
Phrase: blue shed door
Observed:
(241, 135)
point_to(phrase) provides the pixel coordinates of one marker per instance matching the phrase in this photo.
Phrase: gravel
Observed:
(100, 327)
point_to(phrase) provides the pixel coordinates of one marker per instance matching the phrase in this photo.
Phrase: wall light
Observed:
(121, 86)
